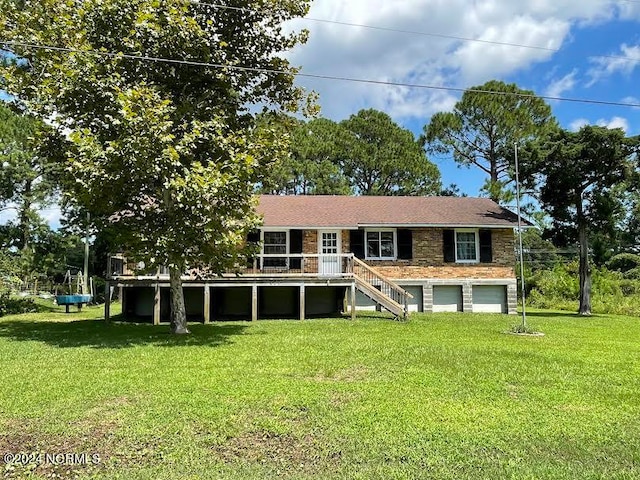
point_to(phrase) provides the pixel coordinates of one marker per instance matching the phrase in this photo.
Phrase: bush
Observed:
(633, 274)
(612, 291)
(12, 306)
(624, 262)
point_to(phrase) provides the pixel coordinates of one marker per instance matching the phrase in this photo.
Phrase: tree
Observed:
(164, 153)
(576, 173)
(381, 158)
(312, 167)
(483, 128)
(28, 177)
(366, 154)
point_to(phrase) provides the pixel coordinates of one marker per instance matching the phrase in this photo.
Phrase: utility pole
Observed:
(524, 313)
(85, 286)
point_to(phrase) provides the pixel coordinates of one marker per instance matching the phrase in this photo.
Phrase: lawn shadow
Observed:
(98, 334)
(551, 314)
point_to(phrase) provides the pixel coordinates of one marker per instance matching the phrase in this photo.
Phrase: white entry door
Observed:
(329, 262)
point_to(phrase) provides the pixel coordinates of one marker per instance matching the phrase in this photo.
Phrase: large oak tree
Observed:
(166, 154)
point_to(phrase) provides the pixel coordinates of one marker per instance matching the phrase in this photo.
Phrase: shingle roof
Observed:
(324, 211)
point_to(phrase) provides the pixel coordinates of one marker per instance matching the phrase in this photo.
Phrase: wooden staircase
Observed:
(380, 289)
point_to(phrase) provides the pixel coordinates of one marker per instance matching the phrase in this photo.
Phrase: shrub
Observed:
(11, 305)
(633, 274)
(612, 291)
(624, 262)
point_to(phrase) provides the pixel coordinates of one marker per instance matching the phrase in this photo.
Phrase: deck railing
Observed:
(338, 265)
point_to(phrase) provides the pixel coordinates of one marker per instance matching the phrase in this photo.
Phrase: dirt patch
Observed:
(355, 373)
(341, 399)
(284, 452)
(90, 446)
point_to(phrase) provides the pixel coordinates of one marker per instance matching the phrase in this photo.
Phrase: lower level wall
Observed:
(273, 301)
(469, 290)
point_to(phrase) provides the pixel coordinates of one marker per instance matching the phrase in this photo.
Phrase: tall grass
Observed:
(558, 288)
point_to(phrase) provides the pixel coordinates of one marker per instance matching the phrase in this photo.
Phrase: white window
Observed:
(380, 244)
(275, 243)
(467, 247)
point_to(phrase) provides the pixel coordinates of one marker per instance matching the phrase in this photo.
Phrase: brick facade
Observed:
(428, 260)
(310, 242)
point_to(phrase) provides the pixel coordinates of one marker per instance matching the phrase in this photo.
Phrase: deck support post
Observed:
(107, 302)
(207, 303)
(353, 301)
(254, 302)
(302, 306)
(156, 305)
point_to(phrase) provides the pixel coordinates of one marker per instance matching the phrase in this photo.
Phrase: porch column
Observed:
(207, 303)
(302, 307)
(107, 302)
(353, 301)
(156, 305)
(254, 303)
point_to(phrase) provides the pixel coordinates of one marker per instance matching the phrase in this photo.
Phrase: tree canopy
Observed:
(366, 154)
(164, 153)
(28, 177)
(483, 128)
(577, 174)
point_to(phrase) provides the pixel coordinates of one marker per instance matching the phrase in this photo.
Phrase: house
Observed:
(321, 255)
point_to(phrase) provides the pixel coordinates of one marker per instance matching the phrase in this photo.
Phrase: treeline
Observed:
(585, 183)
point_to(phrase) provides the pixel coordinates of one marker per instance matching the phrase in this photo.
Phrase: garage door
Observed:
(447, 298)
(490, 298)
(415, 303)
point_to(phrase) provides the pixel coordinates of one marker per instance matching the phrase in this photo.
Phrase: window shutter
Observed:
(295, 247)
(356, 240)
(253, 237)
(486, 253)
(295, 241)
(405, 244)
(449, 245)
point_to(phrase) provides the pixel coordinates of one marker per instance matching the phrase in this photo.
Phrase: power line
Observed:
(421, 33)
(312, 75)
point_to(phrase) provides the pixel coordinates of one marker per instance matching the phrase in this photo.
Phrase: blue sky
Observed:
(579, 31)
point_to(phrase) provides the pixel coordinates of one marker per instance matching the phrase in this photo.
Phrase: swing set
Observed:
(82, 293)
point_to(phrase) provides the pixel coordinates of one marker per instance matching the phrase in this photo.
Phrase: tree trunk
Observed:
(585, 269)
(23, 217)
(178, 312)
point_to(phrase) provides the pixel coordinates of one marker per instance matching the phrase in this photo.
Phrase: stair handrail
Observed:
(398, 294)
(380, 277)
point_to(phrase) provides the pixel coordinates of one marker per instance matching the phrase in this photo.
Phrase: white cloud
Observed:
(565, 84)
(624, 63)
(578, 124)
(383, 55)
(614, 122)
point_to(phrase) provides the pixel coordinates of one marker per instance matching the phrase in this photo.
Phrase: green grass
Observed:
(440, 396)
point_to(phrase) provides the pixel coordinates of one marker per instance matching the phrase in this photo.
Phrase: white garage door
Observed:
(415, 303)
(490, 298)
(447, 298)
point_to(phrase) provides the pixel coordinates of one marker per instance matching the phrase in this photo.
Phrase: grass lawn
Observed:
(440, 396)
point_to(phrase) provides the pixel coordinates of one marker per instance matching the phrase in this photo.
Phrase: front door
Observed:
(329, 261)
